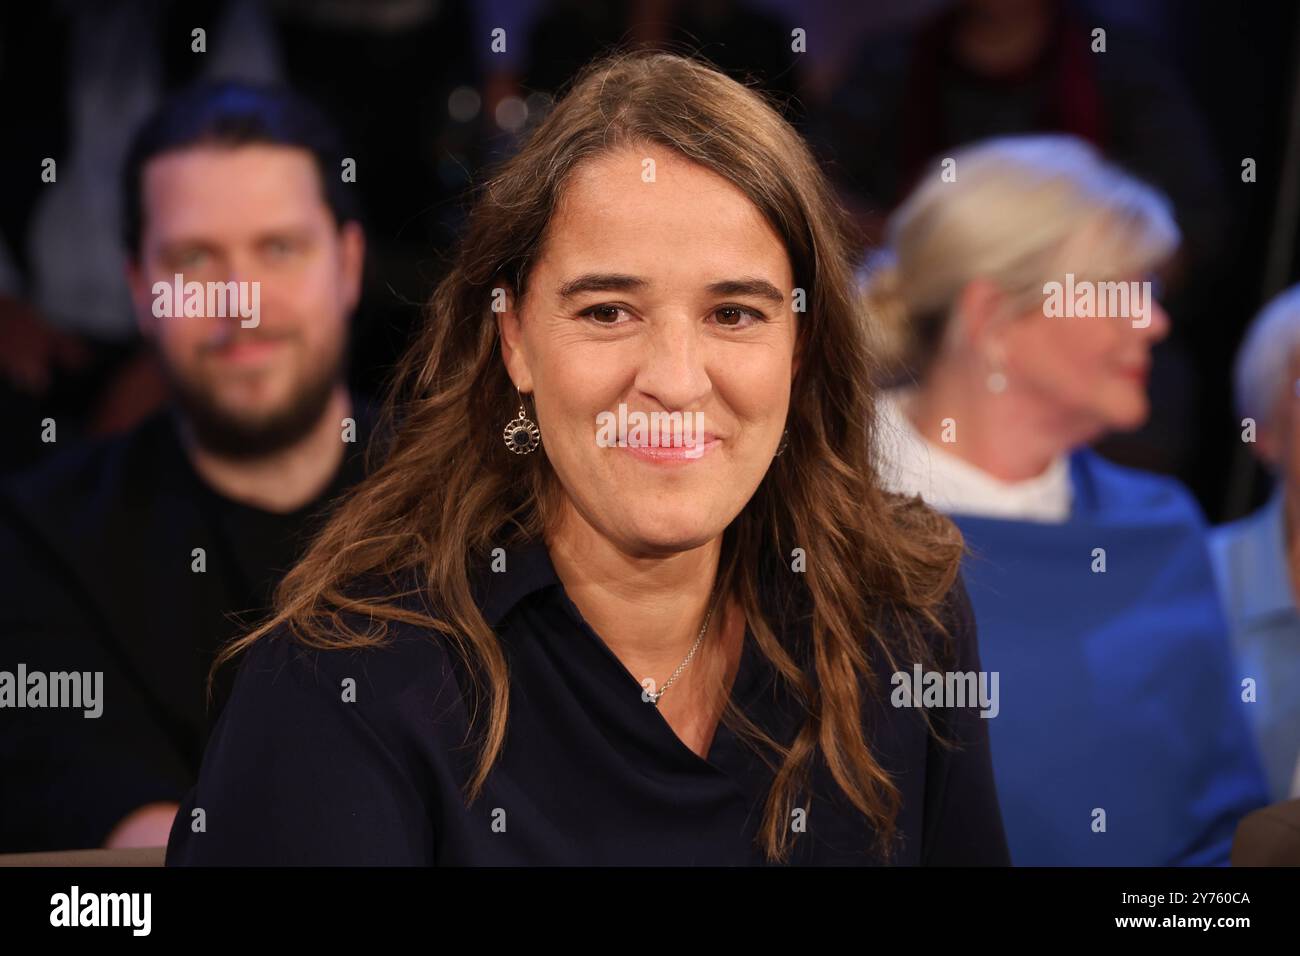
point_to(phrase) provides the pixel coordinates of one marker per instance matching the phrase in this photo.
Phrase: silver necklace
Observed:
(654, 697)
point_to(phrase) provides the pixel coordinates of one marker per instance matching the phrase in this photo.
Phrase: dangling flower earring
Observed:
(521, 434)
(785, 443)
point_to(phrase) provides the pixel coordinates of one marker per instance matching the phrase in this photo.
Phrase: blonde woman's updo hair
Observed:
(1020, 211)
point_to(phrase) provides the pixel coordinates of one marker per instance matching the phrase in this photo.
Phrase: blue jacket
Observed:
(1122, 737)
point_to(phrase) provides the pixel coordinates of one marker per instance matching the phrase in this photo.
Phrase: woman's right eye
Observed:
(603, 314)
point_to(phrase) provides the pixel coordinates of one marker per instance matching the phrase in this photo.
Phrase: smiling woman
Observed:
(663, 659)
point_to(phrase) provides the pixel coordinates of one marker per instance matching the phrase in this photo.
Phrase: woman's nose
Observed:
(1160, 319)
(673, 368)
(1158, 325)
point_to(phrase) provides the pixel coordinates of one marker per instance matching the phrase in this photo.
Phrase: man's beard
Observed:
(242, 437)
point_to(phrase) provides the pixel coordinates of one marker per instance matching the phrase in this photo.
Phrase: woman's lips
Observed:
(1137, 373)
(674, 454)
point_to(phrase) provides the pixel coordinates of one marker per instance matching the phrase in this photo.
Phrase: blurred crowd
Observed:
(427, 95)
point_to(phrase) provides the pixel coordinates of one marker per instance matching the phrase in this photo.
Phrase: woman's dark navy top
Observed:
(362, 756)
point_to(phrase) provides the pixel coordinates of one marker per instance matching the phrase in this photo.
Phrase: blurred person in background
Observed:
(978, 69)
(383, 70)
(69, 345)
(1257, 558)
(136, 556)
(1121, 738)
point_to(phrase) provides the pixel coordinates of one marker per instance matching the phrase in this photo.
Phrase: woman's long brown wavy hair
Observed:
(445, 490)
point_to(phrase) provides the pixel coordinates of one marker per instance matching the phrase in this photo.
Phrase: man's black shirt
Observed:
(117, 558)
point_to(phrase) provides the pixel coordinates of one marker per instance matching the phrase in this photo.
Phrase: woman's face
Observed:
(661, 287)
(1088, 372)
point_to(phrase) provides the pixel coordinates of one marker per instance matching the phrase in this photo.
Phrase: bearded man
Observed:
(139, 557)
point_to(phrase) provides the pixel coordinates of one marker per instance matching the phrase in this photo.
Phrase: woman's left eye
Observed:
(733, 315)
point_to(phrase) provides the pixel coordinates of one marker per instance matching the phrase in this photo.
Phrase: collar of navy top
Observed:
(529, 569)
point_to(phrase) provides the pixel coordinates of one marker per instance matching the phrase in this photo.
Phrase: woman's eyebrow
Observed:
(620, 282)
(601, 282)
(758, 288)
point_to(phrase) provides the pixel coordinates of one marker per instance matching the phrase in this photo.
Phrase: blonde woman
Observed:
(1017, 293)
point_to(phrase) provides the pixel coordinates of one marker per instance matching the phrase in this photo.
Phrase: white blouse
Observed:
(912, 464)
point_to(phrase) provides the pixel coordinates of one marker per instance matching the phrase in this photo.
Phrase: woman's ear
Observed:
(979, 318)
(506, 307)
(975, 310)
